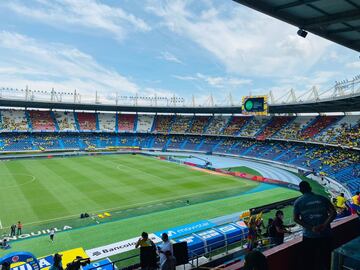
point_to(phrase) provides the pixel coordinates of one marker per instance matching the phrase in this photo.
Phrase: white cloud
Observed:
(25, 61)
(215, 81)
(244, 41)
(354, 65)
(170, 57)
(88, 14)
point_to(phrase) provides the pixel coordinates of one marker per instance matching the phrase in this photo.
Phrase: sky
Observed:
(164, 47)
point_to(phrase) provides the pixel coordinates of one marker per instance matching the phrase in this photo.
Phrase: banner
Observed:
(187, 229)
(46, 261)
(117, 248)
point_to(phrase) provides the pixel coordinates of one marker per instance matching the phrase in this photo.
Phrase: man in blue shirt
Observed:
(315, 213)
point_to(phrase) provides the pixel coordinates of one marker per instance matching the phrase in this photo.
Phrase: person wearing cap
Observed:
(314, 213)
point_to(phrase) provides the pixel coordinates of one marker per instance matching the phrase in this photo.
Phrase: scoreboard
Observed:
(255, 105)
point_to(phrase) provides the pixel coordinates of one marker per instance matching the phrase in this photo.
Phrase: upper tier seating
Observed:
(144, 123)
(291, 131)
(163, 123)
(199, 124)
(255, 125)
(181, 124)
(107, 121)
(217, 124)
(42, 121)
(275, 124)
(66, 121)
(126, 122)
(13, 120)
(87, 121)
(235, 125)
(320, 124)
(344, 132)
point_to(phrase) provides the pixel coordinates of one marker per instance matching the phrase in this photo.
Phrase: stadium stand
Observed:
(291, 131)
(107, 122)
(181, 124)
(86, 121)
(144, 123)
(275, 143)
(317, 126)
(274, 125)
(41, 121)
(199, 124)
(65, 121)
(256, 124)
(14, 120)
(163, 123)
(235, 125)
(217, 124)
(126, 122)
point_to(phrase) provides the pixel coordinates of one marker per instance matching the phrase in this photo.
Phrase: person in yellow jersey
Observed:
(356, 198)
(340, 201)
(144, 241)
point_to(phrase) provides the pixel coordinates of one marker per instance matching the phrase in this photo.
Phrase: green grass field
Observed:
(141, 193)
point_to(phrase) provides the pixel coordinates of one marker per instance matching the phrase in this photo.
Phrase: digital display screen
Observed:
(254, 105)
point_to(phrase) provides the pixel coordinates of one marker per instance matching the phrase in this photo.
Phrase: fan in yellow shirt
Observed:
(340, 201)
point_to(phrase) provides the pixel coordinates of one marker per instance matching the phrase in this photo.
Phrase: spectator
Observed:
(12, 230)
(255, 260)
(253, 234)
(314, 213)
(5, 266)
(57, 264)
(19, 228)
(169, 263)
(144, 241)
(340, 201)
(164, 247)
(279, 230)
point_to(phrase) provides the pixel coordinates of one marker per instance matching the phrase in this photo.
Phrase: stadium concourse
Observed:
(327, 145)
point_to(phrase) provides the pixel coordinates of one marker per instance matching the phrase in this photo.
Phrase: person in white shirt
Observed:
(163, 247)
(52, 234)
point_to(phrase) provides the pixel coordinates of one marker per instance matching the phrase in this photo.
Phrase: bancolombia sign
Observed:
(38, 233)
(117, 248)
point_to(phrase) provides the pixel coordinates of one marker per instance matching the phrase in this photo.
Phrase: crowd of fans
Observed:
(317, 126)
(13, 120)
(126, 122)
(144, 123)
(254, 126)
(42, 121)
(87, 121)
(163, 123)
(107, 122)
(235, 125)
(217, 124)
(65, 121)
(199, 124)
(182, 124)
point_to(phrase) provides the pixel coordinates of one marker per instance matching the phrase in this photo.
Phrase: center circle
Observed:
(20, 180)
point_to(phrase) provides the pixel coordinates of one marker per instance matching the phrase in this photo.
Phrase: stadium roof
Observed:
(349, 103)
(335, 20)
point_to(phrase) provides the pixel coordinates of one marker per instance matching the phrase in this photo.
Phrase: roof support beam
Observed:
(294, 4)
(331, 19)
(343, 30)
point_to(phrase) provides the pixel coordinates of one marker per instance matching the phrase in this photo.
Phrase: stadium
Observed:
(99, 172)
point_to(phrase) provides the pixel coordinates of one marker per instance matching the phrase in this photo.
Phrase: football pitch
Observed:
(140, 192)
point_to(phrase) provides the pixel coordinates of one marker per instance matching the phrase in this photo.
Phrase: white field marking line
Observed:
(33, 178)
(127, 207)
(1, 225)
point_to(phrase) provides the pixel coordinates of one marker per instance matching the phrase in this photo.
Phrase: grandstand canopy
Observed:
(344, 104)
(335, 20)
